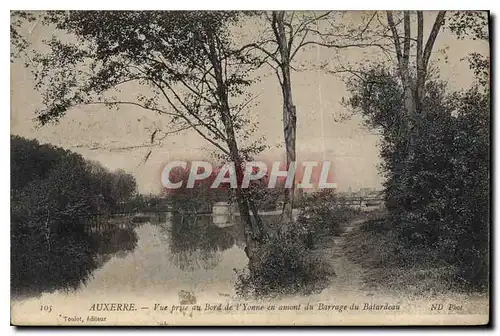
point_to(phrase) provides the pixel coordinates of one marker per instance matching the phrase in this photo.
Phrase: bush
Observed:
(322, 214)
(283, 266)
(437, 172)
(52, 193)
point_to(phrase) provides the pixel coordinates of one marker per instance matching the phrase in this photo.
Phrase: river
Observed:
(165, 258)
(193, 255)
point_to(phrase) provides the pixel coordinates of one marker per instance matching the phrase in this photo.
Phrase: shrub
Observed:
(52, 193)
(283, 266)
(322, 214)
(437, 172)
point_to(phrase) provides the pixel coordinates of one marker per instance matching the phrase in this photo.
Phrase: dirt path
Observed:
(348, 286)
(348, 277)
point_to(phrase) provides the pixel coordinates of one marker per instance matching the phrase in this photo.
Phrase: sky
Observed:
(119, 138)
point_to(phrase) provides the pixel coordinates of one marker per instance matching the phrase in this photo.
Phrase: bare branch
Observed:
(360, 35)
(345, 46)
(395, 36)
(420, 65)
(406, 41)
(432, 37)
(271, 55)
(300, 45)
(119, 102)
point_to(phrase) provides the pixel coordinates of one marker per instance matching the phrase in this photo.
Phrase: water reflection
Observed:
(114, 241)
(171, 254)
(164, 253)
(69, 255)
(196, 243)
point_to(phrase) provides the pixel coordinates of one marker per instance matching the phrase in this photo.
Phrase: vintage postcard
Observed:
(181, 168)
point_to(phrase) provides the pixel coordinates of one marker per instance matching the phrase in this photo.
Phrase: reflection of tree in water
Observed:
(114, 241)
(74, 255)
(195, 242)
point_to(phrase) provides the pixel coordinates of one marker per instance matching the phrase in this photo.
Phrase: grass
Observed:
(283, 266)
(389, 268)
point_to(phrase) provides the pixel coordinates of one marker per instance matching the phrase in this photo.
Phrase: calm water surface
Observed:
(189, 253)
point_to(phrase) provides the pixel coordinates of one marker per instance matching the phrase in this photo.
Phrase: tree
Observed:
(124, 186)
(53, 191)
(392, 33)
(19, 43)
(413, 52)
(183, 64)
(471, 184)
(198, 198)
(413, 88)
(288, 33)
(413, 82)
(437, 190)
(473, 25)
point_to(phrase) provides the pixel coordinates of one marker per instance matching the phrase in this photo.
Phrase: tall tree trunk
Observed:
(419, 85)
(253, 227)
(289, 111)
(413, 82)
(289, 130)
(413, 89)
(402, 55)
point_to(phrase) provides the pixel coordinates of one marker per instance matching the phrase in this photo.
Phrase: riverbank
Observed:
(360, 257)
(369, 247)
(199, 258)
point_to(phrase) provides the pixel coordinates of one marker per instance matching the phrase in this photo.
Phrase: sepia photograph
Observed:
(250, 168)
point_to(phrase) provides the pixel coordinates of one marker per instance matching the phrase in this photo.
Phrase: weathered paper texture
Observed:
(150, 266)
